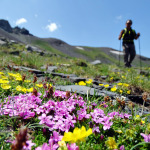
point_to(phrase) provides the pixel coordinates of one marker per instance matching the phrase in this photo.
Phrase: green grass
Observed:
(95, 53)
(45, 46)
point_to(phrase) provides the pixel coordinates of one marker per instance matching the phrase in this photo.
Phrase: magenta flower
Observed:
(56, 137)
(96, 130)
(146, 137)
(72, 146)
(122, 147)
(28, 145)
(106, 122)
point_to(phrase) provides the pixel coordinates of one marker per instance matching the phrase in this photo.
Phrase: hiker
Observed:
(128, 35)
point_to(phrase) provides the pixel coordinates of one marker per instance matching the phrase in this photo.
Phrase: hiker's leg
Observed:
(126, 54)
(132, 53)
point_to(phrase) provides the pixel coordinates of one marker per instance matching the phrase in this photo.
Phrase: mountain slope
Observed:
(53, 45)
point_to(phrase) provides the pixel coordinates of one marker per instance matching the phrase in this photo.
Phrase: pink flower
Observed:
(146, 137)
(72, 146)
(28, 145)
(122, 147)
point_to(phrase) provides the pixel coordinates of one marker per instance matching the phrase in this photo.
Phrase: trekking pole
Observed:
(119, 52)
(140, 56)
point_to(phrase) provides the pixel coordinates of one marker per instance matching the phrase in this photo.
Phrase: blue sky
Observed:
(81, 22)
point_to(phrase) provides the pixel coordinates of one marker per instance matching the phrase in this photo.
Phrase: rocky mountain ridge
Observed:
(4, 24)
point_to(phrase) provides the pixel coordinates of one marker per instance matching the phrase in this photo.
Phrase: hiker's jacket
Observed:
(128, 36)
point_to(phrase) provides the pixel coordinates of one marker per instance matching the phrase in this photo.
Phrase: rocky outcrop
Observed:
(18, 30)
(4, 24)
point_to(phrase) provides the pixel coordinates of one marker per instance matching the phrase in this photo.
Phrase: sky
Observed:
(95, 23)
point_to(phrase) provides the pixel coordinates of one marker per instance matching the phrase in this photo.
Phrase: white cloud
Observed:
(119, 17)
(52, 27)
(21, 21)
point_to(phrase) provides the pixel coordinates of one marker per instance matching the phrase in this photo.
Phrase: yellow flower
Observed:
(119, 84)
(62, 143)
(101, 84)
(5, 86)
(111, 143)
(142, 121)
(27, 81)
(111, 78)
(18, 78)
(24, 90)
(4, 77)
(88, 82)
(106, 85)
(125, 84)
(39, 85)
(128, 92)
(77, 135)
(19, 88)
(113, 89)
(1, 73)
(30, 89)
(82, 83)
(10, 74)
(121, 91)
(123, 77)
(4, 81)
(91, 80)
(137, 118)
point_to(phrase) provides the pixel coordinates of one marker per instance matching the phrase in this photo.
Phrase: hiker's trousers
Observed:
(129, 52)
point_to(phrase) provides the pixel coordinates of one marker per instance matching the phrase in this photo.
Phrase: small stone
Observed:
(96, 62)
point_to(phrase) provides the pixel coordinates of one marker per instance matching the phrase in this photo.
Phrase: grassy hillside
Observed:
(45, 46)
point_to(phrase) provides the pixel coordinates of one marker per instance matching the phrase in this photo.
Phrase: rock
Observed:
(3, 39)
(3, 43)
(62, 75)
(108, 93)
(66, 65)
(78, 89)
(4, 24)
(15, 53)
(13, 42)
(96, 62)
(24, 31)
(97, 87)
(18, 30)
(83, 90)
(81, 63)
(77, 79)
(35, 71)
(49, 69)
(103, 77)
(34, 49)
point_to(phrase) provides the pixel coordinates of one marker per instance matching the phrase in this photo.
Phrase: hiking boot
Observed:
(129, 66)
(126, 65)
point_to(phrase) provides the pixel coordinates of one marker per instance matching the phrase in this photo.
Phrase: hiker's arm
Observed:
(120, 36)
(137, 36)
